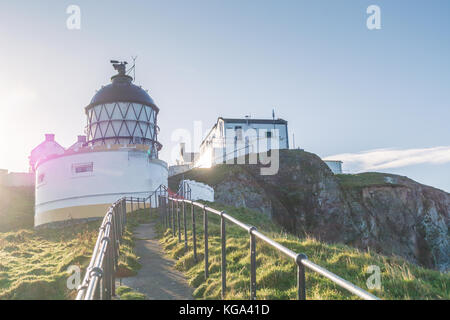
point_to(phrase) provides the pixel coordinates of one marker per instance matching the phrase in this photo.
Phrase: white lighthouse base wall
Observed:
(83, 185)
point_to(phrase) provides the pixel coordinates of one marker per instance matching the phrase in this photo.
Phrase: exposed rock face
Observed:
(387, 213)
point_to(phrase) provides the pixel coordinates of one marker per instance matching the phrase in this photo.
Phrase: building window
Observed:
(268, 139)
(81, 168)
(238, 130)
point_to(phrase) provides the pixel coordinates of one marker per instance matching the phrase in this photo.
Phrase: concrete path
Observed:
(157, 278)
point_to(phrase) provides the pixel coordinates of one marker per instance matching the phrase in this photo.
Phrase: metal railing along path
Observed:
(171, 219)
(99, 279)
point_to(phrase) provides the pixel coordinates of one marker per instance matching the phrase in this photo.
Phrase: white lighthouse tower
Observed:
(119, 157)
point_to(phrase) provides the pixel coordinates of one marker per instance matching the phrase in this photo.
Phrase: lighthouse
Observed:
(118, 157)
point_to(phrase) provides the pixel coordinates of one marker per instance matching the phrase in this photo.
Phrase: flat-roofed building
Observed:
(231, 138)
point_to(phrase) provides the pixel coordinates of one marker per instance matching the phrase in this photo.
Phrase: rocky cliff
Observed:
(386, 213)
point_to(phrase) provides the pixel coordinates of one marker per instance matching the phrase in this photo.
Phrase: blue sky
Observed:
(344, 89)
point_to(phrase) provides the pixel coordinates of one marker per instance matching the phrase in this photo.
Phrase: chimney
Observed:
(182, 146)
(49, 137)
(81, 139)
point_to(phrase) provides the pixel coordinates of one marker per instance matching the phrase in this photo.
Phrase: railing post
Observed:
(194, 235)
(108, 270)
(252, 264)
(167, 213)
(112, 247)
(224, 254)
(115, 236)
(150, 206)
(118, 223)
(173, 217)
(124, 217)
(301, 280)
(205, 230)
(156, 207)
(131, 203)
(185, 227)
(98, 290)
(113, 266)
(179, 223)
(162, 208)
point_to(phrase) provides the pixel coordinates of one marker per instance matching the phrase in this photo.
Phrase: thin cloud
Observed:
(378, 159)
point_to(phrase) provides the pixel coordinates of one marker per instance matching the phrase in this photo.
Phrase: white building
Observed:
(233, 138)
(47, 148)
(119, 157)
(199, 190)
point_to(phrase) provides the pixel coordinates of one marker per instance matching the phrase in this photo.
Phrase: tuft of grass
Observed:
(127, 293)
(276, 274)
(133, 296)
(366, 179)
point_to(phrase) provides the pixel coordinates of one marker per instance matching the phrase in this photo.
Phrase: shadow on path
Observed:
(157, 278)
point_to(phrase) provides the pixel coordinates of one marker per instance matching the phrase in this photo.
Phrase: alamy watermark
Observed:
(74, 279)
(374, 280)
(73, 22)
(374, 20)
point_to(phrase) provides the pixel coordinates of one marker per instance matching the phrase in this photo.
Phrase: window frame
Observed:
(84, 173)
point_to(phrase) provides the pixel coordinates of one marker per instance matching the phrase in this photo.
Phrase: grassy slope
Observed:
(16, 208)
(210, 176)
(276, 275)
(33, 263)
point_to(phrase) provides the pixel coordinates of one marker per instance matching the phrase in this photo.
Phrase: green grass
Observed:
(276, 274)
(16, 208)
(210, 176)
(33, 263)
(126, 293)
(361, 180)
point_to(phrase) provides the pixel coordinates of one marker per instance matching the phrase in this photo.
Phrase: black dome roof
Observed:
(121, 90)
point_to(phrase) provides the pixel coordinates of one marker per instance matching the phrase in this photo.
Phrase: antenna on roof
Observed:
(273, 118)
(133, 67)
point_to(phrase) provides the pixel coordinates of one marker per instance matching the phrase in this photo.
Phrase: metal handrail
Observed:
(104, 260)
(99, 279)
(184, 189)
(171, 219)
